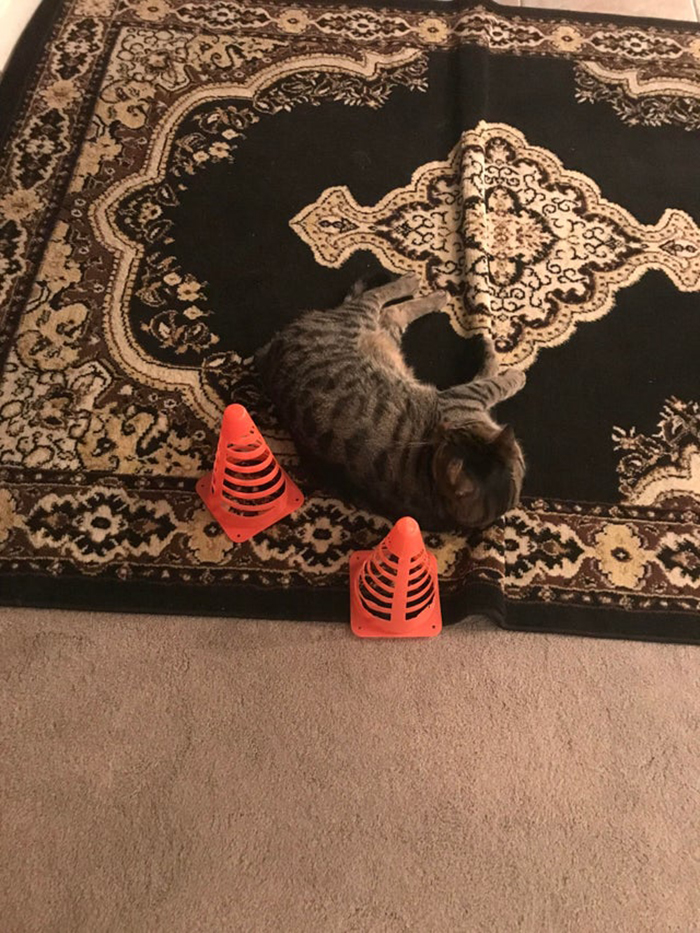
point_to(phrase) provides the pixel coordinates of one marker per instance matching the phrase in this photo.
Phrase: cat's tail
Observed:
(260, 356)
(357, 289)
(371, 280)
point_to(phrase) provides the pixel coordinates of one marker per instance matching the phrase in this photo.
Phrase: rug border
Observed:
(455, 6)
(19, 75)
(321, 604)
(595, 622)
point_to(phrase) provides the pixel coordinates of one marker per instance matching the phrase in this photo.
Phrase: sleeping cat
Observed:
(342, 387)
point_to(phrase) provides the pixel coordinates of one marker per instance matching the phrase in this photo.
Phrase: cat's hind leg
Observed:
(405, 312)
(403, 287)
(388, 304)
(480, 394)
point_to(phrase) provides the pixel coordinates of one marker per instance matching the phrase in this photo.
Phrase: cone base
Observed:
(240, 529)
(365, 626)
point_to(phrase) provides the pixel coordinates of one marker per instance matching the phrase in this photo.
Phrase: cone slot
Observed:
(375, 611)
(383, 597)
(417, 599)
(249, 465)
(383, 576)
(250, 491)
(252, 480)
(377, 607)
(371, 595)
(255, 487)
(245, 480)
(381, 581)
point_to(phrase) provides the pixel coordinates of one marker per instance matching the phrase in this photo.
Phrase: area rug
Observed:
(182, 177)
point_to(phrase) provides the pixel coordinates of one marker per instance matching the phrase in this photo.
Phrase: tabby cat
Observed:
(342, 387)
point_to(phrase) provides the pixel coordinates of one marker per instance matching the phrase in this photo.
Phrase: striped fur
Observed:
(341, 385)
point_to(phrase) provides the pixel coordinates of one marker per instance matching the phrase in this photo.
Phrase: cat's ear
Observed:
(505, 440)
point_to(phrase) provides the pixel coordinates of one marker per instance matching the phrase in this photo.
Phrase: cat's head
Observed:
(478, 472)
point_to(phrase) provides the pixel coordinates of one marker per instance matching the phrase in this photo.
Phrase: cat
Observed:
(343, 389)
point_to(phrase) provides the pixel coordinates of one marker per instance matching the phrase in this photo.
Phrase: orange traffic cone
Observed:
(394, 588)
(248, 490)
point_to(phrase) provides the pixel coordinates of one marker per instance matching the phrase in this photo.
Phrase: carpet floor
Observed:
(184, 775)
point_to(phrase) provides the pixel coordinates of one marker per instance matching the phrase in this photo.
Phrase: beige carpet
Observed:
(187, 775)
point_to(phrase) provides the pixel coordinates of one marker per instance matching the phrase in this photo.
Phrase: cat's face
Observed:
(479, 476)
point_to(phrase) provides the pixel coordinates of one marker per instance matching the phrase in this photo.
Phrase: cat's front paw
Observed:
(514, 379)
(489, 364)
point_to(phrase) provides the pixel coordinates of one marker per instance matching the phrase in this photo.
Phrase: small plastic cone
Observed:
(247, 491)
(394, 588)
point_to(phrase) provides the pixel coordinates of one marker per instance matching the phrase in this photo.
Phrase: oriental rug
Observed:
(179, 178)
